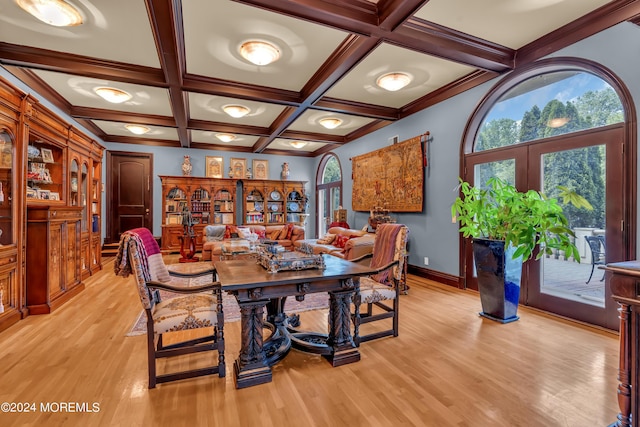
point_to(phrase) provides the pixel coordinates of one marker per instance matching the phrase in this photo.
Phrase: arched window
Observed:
(562, 122)
(328, 191)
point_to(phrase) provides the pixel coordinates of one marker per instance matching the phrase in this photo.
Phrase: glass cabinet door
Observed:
(73, 183)
(6, 188)
(84, 190)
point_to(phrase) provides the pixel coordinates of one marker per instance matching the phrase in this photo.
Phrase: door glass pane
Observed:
(503, 169)
(581, 170)
(7, 218)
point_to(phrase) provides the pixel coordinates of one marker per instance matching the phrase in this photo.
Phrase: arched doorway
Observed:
(562, 122)
(328, 191)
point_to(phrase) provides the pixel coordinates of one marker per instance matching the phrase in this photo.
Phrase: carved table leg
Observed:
(251, 366)
(624, 370)
(343, 348)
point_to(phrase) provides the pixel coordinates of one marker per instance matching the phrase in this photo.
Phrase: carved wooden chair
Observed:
(596, 244)
(382, 290)
(199, 304)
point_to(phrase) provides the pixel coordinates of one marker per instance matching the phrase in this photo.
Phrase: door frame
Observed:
(109, 205)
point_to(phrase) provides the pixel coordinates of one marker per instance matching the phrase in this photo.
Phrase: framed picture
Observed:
(238, 168)
(54, 196)
(214, 167)
(44, 194)
(47, 155)
(260, 169)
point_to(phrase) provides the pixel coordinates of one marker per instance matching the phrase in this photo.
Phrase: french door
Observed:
(591, 164)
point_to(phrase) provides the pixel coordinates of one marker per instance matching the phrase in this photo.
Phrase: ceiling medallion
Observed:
(137, 129)
(297, 144)
(53, 12)
(113, 95)
(259, 53)
(330, 122)
(236, 111)
(393, 81)
(225, 137)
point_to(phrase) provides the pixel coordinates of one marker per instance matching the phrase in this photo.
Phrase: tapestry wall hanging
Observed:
(392, 177)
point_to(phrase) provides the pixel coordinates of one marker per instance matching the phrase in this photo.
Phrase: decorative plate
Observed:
(294, 207)
(274, 195)
(258, 206)
(274, 207)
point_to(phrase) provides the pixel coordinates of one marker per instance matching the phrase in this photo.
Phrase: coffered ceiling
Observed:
(180, 61)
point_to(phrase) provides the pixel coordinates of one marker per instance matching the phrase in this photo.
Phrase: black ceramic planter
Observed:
(499, 278)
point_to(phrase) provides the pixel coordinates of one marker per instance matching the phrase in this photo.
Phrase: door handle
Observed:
(146, 211)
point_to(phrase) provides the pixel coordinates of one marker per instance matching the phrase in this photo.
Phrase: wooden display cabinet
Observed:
(209, 200)
(53, 264)
(45, 171)
(11, 303)
(273, 202)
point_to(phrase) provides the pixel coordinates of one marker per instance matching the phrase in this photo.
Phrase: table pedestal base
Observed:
(246, 377)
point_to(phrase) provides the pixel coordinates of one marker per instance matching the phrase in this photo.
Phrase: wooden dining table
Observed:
(256, 290)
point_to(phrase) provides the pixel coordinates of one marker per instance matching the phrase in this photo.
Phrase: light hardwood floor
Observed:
(448, 367)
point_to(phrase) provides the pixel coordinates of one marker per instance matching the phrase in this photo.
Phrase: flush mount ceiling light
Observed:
(113, 95)
(137, 129)
(330, 122)
(558, 122)
(53, 12)
(236, 111)
(393, 81)
(259, 53)
(297, 144)
(225, 137)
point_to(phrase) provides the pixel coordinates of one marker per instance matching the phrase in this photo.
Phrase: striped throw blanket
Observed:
(385, 251)
(151, 264)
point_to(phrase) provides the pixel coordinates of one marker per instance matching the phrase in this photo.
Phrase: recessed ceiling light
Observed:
(297, 144)
(113, 95)
(53, 12)
(225, 137)
(236, 111)
(393, 81)
(259, 53)
(137, 129)
(330, 122)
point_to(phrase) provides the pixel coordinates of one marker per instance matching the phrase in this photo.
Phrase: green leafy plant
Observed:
(522, 219)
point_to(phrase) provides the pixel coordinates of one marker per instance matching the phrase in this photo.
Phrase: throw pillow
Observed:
(341, 241)
(327, 239)
(289, 231)
(244, 232)
(283, 233)
(262, 234)
(229, 230)
(214, 233)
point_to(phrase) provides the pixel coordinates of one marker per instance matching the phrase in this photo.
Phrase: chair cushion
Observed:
(372, 291)
(184, 312)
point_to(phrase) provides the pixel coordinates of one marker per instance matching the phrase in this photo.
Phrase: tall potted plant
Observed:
(507, 226)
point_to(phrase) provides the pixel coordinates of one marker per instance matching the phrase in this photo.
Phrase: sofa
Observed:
(216, 235)
(341, 242)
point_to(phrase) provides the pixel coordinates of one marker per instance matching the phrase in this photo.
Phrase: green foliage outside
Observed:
(580, 169)
(331, 171)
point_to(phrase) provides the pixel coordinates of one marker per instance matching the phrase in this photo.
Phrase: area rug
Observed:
(232, 310)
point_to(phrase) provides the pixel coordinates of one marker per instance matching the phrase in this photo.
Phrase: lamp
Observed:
(330, 122)
(297, 144)
(259, 53)
(393, 81)
(236, 111)
(137, 129)
(225, 137)
(558, 122)
(113, 95)
(53, 12)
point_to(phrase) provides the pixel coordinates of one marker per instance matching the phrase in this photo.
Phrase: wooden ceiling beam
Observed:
(166, 21)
